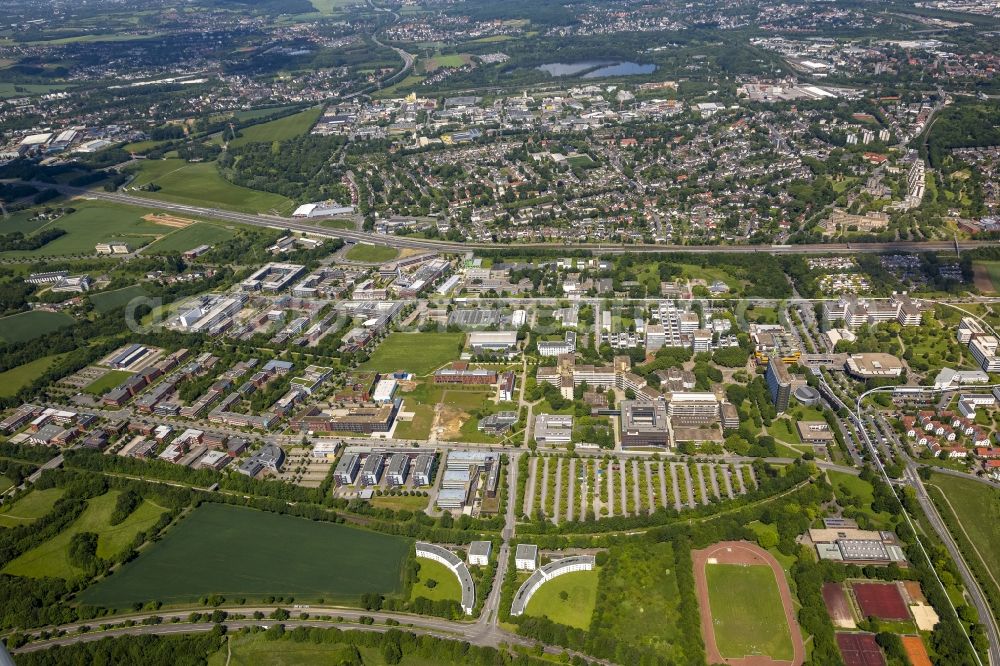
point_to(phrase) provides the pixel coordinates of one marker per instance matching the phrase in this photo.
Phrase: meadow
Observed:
(97, 222)
(30, 325)
(201, 184)
(15, 379)
(747, 612)
(371, 253)
(419, 353)
(576, 609)
(51, 558)
(30, 507)
(236, 551)
(281, 129)
(182, 240)
(255, 649)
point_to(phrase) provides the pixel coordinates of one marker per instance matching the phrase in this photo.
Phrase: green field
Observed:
(977, 508)
(372, 253)
(103, 384)
(106, 301)
(190, 237)
(854, 491)
(20, 221)
(419, 353)
(201, 184)
(235, 551)
(575, 610)
(30, 507)
(256, 649)
(281, 129)
(5, 484)
(22, 89)
(401, 502)
(335, 224)
(30, 325)
(447, 586)
(638, 601)
(746, 612)
(17, 378)
(992, 269)
(97, 222)
(52, 557)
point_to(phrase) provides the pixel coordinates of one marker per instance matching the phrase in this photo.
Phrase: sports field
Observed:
(182, 240)
(881, 600)
(576, 608)
(445, 586)
(235, 551)
(372, 253)
(51, 558)
(201, 184)
(746, 611)
(103, 384)
(106, 301)
(17, 378)
(30, 325)
(281, 129)
(30, 507)
(419, 353)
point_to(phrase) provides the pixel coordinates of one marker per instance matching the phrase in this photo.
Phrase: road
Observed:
(353, 236)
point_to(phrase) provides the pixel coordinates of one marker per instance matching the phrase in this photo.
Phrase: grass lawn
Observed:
(106, 301)
(201, 184)
(20, 221)
(103, 384)
(190, 237)
(281, 129)
(17, 378)
(848, 487)
(30, 507)
(977, 508)
(419, 353)
(335, 224)
(398, 502)
(747, 612)
(52, 557)
(241, 552)
(420, 426)
(575, 610)
(372, 253)
(446, 583)
(639, 599)
(30, 325)
(5, 484)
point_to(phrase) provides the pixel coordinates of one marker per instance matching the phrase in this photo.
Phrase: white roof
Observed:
(36, 139)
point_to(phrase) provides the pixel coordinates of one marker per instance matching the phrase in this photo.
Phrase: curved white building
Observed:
(431, 551)
(545, 574)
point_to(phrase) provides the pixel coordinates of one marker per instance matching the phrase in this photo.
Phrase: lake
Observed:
(597, 68)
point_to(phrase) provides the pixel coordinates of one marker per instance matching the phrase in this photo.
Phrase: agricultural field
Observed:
(419, 353)
(575, 608)
(182, 240)
(52, 557)
(436, 582)
(15, 379)
(106, 301)
(747, 612)
(566, 489)
(371, 253)
(249, 553)
(30, 325)
(106, 382)
(438, 61)
(987, 276)
(638, 600)
(21, 221)
(30, 507)
(281, 129)
(201, 184)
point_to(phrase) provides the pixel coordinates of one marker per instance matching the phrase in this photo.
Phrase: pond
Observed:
(597, 68)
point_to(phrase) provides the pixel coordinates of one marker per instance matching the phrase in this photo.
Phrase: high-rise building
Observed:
(779, 382)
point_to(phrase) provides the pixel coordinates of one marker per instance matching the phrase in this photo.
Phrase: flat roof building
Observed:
(553, 429)
(643, 424)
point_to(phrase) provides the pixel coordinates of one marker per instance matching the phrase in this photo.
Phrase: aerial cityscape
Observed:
(603, 332)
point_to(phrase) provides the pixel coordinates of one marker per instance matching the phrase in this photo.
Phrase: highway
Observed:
(296, 224)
